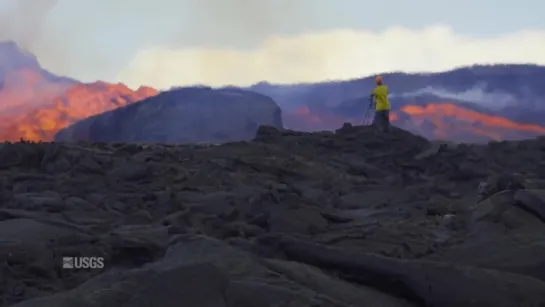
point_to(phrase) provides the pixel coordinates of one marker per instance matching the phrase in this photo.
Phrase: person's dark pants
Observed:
(382, 120)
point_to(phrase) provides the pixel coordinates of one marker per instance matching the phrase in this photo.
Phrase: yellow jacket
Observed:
(381, 95)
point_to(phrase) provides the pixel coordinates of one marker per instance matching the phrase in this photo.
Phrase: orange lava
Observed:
(393, 116)
(467, 122)
(438, 111)
(28, 88)
(79, 102)
(448, 121)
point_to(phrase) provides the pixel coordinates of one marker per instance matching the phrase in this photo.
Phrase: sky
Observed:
(164, 43)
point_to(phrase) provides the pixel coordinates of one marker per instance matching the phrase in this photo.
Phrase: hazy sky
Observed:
(177, 42)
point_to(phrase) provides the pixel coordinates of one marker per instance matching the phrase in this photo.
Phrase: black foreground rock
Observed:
(350, 218)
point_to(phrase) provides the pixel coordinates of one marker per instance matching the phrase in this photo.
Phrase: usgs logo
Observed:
(82, 262)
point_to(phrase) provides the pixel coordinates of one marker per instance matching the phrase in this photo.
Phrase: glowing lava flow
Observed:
(437, 120)
(79, 102)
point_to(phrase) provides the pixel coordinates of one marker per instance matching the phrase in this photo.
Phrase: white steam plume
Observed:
(22, 21)
(337, 54)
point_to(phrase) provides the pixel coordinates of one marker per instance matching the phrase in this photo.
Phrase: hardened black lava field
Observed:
(350, 218)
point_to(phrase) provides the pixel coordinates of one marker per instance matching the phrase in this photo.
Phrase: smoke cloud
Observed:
(22, 21)
(330, 55)
(61, 46)
(239, 42)
(478, 94)
(213, 22)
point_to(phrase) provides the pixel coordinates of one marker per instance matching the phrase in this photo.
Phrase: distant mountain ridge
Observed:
(13, 59)
(512, 92)
(497, 101)
(521, 82)
(24, 83)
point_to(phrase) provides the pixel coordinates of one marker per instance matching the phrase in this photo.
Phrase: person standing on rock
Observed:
(382, 106)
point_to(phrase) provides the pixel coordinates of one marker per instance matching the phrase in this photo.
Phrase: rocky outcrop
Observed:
(187, 115)
(77, 103)
(336, 219)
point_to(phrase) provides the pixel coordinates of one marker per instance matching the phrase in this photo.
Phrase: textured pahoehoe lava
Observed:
(349, 218)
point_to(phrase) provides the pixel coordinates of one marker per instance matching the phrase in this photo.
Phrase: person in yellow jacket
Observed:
(382, 106)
